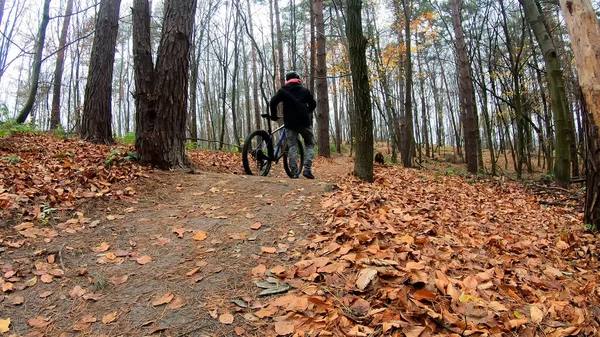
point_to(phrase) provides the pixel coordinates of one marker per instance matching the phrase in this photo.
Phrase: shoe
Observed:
(308, 175)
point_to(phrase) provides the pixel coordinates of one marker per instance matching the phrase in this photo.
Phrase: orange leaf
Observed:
(424, 294)
(269, 250)
(164, 299)
(256, 225)
(144, 259)
(102, 248)
(116, 280)
(46, 278)
(39, 322)
(259, 270)
(239, 331)
(109, 318)
(178, 302)
(226, 318)
(200, 236)
(283, 328)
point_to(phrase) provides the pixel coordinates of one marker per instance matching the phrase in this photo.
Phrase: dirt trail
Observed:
(199, 275)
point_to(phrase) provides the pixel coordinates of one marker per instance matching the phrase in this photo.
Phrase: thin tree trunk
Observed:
(408, 141)
(466, 91)
(279, 43)
(321, 82)
(58, 71)
(363, 119)
(37, 64)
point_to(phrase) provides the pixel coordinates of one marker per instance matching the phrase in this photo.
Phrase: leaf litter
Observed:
(438, 256)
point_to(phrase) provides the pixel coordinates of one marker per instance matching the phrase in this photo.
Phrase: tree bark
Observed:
(554, 75)
(584, 31)
(321, 82)
(466, 91)
(58, 71)
(279, 43)
(363, 119)
(37, 64)
(96, 124)
(408, 139)
(162, 139)
(257, 120)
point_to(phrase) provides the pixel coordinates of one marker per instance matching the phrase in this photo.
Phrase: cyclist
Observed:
(298, 106)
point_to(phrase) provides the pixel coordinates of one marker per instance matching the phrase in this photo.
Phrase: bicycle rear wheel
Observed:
(299, 162)
(255, 153)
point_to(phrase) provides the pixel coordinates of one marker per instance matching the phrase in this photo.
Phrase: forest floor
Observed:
(93, 244)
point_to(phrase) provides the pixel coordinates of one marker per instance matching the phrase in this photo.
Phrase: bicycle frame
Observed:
(275, 156)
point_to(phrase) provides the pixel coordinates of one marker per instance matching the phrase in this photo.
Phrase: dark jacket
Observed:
(298, 103)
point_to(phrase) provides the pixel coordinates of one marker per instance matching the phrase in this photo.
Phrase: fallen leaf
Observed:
(270, 250)
(239, 331)
(424, 294)
(164, 299)
(77, 291)
(144, 259)
(46, 278)
(283, 328)
(226, 318)
(259, 270)
(101, 248)
(39, 322)
(537, 315)
(45, 294)
(256, 225)
(8, 286)
(193, 271)
(84, 323)
(414, 331)
(178, 302)
(163, 241)
(31, 282)
(5, 325)
(278, 270)
(250, 216)
(16, 299)
(365, 277)
(200, 235)
(116, 280)
(110, 317)
(180, 231)
(361, 307)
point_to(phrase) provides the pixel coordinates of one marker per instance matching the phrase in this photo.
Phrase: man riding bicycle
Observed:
(298, 105)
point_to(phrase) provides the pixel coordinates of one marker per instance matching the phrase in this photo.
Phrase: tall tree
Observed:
(162, 91)
(584, 31)
(37, 64)
(58, 70)
(408, 134)
(321, 82)
(96, 123)
(466, 92)
(362, 115)
(279, 43)
(554, 74)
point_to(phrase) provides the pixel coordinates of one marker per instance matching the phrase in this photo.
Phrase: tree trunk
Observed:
(363, 119)
(554, 75)
(279, 43)
(2, 2)
(96, 124)
(162, 138)
(257, 120)
(37, 64)
(321, 82)
(584, 31)
(408, 141)
(58, 71)
(466, 91)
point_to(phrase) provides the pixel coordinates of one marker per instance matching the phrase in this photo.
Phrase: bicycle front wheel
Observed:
(255, 154)
(299, 159)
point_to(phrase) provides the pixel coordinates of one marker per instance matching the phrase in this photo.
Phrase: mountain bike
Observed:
(258, 153)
